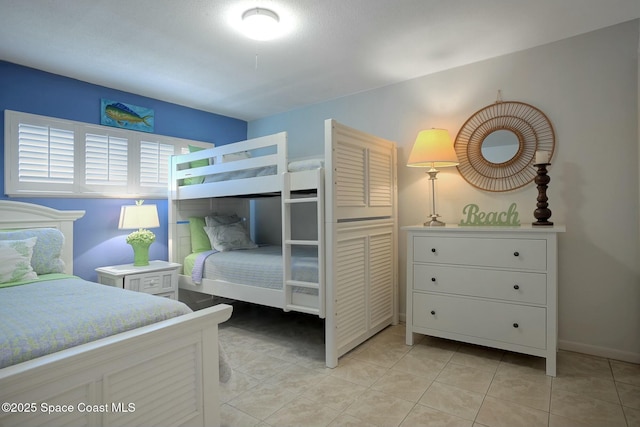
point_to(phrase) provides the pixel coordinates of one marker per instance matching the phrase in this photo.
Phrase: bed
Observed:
(347, 198)
(163, 373)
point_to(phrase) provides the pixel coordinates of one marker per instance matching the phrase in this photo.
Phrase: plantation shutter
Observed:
(51, 157)
(45, 154)
(105, 160)
(154, 164)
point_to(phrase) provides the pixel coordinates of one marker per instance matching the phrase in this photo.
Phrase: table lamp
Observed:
(139, 216)
(433, 149)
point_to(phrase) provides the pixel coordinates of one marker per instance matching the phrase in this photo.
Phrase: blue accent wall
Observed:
(97, 240)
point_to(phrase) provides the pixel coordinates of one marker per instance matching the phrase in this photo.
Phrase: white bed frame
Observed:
(162, 374)
(355, 195)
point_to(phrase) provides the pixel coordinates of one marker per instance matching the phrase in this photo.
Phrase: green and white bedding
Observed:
(46, 316)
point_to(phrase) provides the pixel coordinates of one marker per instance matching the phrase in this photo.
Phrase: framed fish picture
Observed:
(121, 115)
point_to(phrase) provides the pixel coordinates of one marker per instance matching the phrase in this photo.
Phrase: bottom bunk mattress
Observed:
(47, 316)
(261, 267)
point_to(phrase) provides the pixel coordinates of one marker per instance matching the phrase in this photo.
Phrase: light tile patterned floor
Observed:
(280, 379)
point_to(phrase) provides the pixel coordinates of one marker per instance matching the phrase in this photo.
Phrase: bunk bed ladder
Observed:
(288, 243)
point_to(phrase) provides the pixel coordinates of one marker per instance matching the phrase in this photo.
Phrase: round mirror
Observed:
(496, 146)
(500, 146)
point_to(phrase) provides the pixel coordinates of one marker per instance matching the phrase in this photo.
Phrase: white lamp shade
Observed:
(139, 216)
(433, 148)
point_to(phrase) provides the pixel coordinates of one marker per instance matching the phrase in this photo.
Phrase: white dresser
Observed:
(491, 286)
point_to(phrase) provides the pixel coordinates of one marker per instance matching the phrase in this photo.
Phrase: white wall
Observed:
(588, 87)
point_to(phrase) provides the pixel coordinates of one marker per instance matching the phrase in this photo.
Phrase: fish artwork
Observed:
(120, 113)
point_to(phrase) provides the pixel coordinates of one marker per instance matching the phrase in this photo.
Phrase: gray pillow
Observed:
(216, 219)
(229, 237)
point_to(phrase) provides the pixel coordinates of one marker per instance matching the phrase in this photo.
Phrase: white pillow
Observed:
(15, 260)
(229, 237)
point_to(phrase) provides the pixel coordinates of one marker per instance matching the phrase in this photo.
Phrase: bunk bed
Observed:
(352, 190)
(162, 373)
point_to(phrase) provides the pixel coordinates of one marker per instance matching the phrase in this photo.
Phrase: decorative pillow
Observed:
(15, 260)
(47, 251)
(216, 219)
(199, 239)
(229, 237)
(196, 164)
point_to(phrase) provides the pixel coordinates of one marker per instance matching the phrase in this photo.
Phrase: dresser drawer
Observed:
(498, 284)
(496, 321)
(527, 254)
(151, 283)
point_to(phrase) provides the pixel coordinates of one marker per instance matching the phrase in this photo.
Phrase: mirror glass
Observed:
(500, 146)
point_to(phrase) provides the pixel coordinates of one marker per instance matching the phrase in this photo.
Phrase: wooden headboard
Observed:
(20, 215)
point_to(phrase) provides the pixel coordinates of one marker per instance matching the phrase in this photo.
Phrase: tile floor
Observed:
(280, 379)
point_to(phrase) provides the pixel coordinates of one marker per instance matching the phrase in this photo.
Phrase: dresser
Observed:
(158, 278)
(491, 286)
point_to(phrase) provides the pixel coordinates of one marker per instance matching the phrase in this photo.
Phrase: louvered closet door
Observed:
(381, 179)
(381, 279)
(364, 285)
(350, 289)
(350, 176)
(363, 182)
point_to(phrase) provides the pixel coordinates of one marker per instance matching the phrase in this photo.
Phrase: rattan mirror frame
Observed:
(533, 130)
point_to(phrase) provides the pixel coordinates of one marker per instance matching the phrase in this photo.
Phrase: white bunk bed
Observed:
(167, 370)
(354, 191)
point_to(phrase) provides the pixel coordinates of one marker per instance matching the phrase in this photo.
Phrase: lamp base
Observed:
(434, 222)
(140, 253)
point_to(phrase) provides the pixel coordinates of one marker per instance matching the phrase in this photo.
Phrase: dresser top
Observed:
(455, 228)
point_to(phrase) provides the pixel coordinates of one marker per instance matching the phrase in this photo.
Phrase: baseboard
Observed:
(594, 350)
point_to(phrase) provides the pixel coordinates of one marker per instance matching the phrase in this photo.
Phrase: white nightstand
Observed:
(158, 278)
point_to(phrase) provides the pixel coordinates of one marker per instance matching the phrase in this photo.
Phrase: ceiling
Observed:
(186, 52)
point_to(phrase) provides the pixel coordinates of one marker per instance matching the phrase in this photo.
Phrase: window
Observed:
(52, 157)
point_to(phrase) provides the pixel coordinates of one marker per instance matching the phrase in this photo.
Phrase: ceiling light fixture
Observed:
(261, 24)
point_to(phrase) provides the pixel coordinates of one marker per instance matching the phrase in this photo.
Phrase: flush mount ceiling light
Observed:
(261, 24)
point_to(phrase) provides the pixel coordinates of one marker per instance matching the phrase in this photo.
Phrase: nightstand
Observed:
(158, 278)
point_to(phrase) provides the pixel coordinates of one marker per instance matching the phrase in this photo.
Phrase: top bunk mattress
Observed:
(48, 316)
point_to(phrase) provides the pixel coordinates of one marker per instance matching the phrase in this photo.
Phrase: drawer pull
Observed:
(433, 313)
(433, 250)
(515, 325)
(516, 253)
(433, 279)
(516, 287)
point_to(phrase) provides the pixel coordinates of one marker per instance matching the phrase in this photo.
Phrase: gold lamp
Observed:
(139, 216)
(433, 149)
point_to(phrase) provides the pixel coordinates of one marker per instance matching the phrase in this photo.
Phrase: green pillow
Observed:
(196, 164)
(199, 238)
